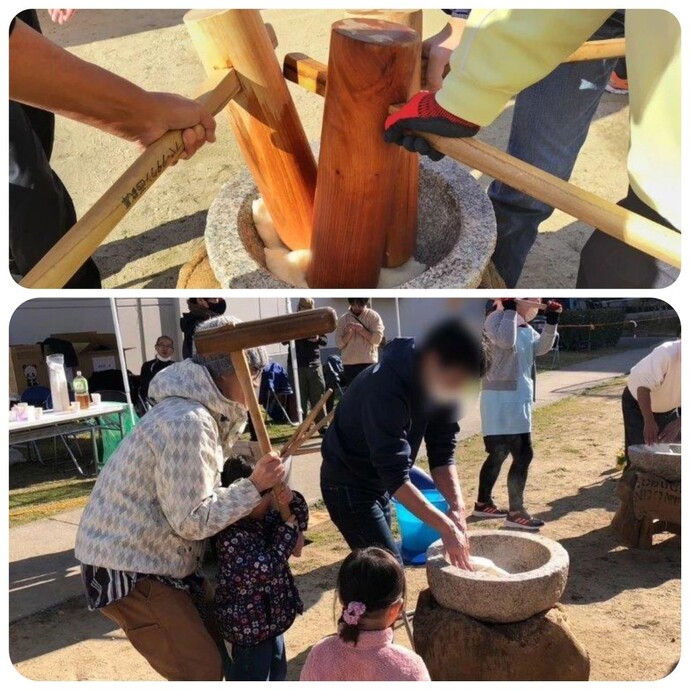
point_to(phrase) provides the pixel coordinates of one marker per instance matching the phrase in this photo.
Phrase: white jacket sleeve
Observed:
(188, 481)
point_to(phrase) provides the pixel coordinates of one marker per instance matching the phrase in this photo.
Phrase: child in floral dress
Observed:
(256, 598)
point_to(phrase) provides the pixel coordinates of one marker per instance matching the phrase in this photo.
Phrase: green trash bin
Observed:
(110, 434)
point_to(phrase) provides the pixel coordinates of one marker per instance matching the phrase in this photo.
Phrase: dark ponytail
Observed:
(371, 577)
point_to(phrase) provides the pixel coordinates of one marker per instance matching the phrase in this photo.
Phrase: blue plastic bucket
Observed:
(416, 536)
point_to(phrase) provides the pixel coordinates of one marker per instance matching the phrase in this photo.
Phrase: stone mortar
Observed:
(538, 570)
(661, 459)
(456, 236)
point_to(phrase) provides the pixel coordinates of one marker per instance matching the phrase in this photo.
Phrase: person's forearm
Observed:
(644, 400)
(448, 483)
(44, 75)
(414, 501)
(503, 52)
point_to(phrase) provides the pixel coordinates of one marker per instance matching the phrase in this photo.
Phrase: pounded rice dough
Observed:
(291, 266)
(487, 566)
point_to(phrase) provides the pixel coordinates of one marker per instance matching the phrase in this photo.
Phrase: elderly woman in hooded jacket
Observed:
(142, 536)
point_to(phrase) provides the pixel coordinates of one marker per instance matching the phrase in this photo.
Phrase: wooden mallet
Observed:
(233, 339)
(626, 226)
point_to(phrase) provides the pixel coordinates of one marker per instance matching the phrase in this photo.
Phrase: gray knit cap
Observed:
(220, 365)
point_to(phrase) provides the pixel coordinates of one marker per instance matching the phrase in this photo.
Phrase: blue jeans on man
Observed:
(362, 516)
(551, 120)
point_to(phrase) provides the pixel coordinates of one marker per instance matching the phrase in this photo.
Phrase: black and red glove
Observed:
(423, 114)
(553, 312)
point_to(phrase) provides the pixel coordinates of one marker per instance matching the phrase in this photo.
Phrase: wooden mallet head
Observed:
(233, 339)
(278, 329)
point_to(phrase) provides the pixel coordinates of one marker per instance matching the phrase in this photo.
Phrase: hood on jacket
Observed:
(192, 381)
(400, 356)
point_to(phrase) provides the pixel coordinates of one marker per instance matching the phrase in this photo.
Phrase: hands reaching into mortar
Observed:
(457, 546)
(670, 433)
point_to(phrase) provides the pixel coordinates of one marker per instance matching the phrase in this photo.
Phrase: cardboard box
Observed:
(27, 368)
(95, 351)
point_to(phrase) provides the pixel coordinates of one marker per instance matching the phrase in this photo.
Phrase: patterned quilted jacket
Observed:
(256, 597)
(159, 497)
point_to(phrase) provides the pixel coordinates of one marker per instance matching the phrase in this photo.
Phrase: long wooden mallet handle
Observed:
(307, 421)
(244, 376)
(631, 228)
(296, 445)
(81, 241)
(639, 232)
(312, 75)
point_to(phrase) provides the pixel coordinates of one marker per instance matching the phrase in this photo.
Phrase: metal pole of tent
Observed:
(295, 370)
(397, 316)
(123, 362)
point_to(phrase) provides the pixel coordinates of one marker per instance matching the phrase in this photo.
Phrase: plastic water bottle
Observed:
(81, 391)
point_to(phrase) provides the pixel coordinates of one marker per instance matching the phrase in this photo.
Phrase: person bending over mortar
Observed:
(45, 79)
(387, 411)
(651, 400)
(549, 125)
(141, 539)
(506, 404)
(503, 52)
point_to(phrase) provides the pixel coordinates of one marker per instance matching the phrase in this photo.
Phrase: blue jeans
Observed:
(550, 123)
(263, 661)
(362, 516)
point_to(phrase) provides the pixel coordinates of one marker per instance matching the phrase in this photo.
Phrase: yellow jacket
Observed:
(503, 52)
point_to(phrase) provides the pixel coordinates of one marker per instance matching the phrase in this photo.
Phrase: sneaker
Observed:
(617, 84)
(488, 510)
(523, 520)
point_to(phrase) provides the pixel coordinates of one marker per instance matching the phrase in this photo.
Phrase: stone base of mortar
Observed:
(457, 647)
(456, 235)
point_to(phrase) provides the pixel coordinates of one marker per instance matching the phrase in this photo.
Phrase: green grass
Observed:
(49, 498)
(278, 433)
(41, 490)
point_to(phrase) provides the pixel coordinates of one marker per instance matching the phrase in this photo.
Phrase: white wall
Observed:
(143, 320)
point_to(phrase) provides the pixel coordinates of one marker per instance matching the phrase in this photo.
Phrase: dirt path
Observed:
(624, 606)
(151, 47)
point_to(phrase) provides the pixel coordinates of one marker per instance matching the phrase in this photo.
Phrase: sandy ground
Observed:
(151, 47)
(624, 606)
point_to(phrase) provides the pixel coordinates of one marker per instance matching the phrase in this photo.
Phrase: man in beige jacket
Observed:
(358, 335)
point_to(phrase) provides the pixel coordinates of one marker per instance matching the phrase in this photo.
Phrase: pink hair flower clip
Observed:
(353, 612)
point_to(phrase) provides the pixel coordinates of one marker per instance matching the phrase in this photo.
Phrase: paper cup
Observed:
(96, 398)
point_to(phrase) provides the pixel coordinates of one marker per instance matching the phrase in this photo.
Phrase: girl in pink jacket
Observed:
(371, 589)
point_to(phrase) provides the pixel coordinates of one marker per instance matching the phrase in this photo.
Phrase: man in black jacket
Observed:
(387, 411)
